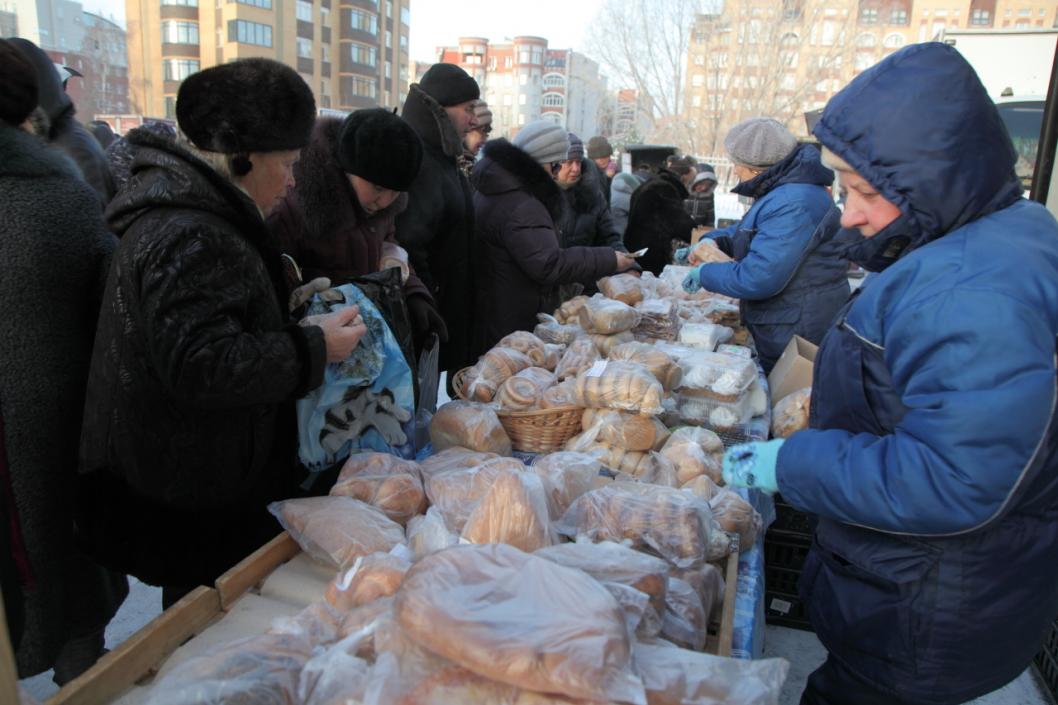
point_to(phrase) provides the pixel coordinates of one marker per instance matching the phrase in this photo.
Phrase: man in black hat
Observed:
(437, 229)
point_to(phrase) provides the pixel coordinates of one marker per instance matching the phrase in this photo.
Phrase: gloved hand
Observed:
(753, 465)
(682, 256)
(425, 320)
(693, 281)
(301, 295)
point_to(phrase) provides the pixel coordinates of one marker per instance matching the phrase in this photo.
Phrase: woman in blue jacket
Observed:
(788, 271)
(932, 451)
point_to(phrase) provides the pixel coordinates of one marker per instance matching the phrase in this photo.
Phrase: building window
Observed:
(898, 17)
(389, 70)
(980, 17)
(521, 99)
(389, 39)
(263, 4)
(363, 54)
(303, 10)
(179, 69)
(554, 80)
(554, 100)
(364, 87)
(389, 8)
(181, 3)
(180, 32)
(696, 101)
(170, 107)
(404, 43)
(866, 41)
(325, 53)
(405, 16)
(869, 15)
(508, 62)
(698, 80)
(363, 21)
(304, 48)
(245, 32)
(894, 41)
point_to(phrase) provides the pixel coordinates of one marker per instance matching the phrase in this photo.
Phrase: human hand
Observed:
(342, 331)
(681, 256)
(301, 295)
(753, 465)
(624, 262)
(693, 281)
(425, 319)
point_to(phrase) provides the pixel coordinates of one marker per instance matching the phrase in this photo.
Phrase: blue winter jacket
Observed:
(789, 271)
(932, 458)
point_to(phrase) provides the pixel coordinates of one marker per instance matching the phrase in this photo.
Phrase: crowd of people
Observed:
(158, 343)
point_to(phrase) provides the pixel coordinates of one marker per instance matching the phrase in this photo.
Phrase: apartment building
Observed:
(353, 53)
(524, 80)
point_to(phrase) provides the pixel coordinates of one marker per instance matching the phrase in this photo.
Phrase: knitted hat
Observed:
(380, 147)
(544, 141)
(449, 85)
(576, 147)
(482, 113)
(18, 85)
(249, 105)
(599, 148)
(709, 175)
(759, 142)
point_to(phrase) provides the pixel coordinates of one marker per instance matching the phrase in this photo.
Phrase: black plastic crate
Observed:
(1047, 662)
(792, 520)
(785, 610)
(784, 558)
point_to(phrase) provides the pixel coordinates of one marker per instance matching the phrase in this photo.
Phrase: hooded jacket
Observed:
(621, 189)
(515, 204)
(656, 217)
(437, 227)
(56, 249)
(789, 269)
(933, 444)
(190, 427)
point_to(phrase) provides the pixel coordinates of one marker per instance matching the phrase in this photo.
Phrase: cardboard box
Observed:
(793, 371)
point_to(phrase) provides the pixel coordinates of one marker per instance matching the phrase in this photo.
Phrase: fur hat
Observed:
(18, 85)
(706, 175)
(544, 141)
(449, 85)
(380, 147)
(483, 114)
(576, 147)
(759, 142)
(249, 105)
(599, 148)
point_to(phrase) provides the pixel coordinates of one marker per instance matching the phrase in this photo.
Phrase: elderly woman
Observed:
(933, 444)
(787, 267)
(190, 424)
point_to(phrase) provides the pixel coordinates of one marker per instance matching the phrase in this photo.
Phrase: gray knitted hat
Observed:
(544, 141)
(759, 142)
(576, 147)
(598, 148)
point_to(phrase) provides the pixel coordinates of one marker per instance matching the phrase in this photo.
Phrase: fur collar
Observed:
(428, 118)
(507, 168)
(26, 155)
(586, 192)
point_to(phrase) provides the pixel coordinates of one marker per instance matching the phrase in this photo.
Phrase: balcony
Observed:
(305, 29)
(305, 65)
(325, 35)
(371, 5)
(325, 69)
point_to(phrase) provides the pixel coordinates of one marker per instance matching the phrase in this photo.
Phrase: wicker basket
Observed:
(541, 430)
(459, 382)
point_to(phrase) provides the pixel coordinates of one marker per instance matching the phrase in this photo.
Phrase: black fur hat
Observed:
(380, 147)
(449, 85)
(18, 85)
(249, 105)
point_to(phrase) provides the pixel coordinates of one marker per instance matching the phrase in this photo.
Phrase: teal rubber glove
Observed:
(753, 465)
(693, 281)
(682, 256)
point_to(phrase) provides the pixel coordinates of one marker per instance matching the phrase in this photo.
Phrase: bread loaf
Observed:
(522, 391)
(737, 516)
(624, 386)
(483, 380)
(513, 511)
(791, 413)
(565, 476)
(580, 355)
(463, 424)
(706, 251)
(455, 493)
(453, 459)
(370, 577)
(622, 287)
(337, 530)
(606, 316)
(527, 343)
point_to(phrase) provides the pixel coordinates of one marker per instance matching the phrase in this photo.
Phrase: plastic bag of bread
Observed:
(661, 364)
(706, 251)
(317, 624)
(580, 355)
(560, 395)
(685, 621)
(520, 619)
(635, 605)
(337, 530)
(427, 533)
(602, 315)
(701, 487)
(550, 330)
(708, 440)
(643, 466)
(611, 562)
(464, 424)
(675, 676)
(708, 583)
(605, 343)
(251, 671)
(622, 287)
(452, 459)
(791, 413)
(737, 516)
(522, 391)
(483, 380)
(455, 493)
(628, 431)
(335, 675)
(513, 511)
(366, 620)
(692, 459)
(552, 354)
(704, 335)
(658, 320)
(673, 524)
(388, 483)
(569, 311)
(625, 386)
(724, 377)
(393, 255)
(565, 476)
(525, 342)
(369, 578)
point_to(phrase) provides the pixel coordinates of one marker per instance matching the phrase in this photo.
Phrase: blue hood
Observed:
(801, 166)
(921, 129)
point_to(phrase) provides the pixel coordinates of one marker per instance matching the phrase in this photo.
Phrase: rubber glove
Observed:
(693, 281)
(753, 465)
(682, 256)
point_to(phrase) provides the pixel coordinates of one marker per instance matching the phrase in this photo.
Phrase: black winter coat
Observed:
(656, 217)
(520, 260)
(190, 428)
(437, 228)
(585, 219)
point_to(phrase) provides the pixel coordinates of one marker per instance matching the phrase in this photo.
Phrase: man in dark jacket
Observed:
(190, 427)
(437, 227)
(933, 442)
(516, 200)
(701, 203)
(64, 131)
(600, 153)
(656, 217)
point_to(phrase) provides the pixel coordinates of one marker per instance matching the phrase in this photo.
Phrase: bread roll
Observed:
(569, 311)
(661, 364)
(522, 391)
(550, 330)
(606, 316)
(513, 511)
(737, 516)
(708, 582)
(791, 413)
(579, 356)
(691, 460)
(483, 380)
(702, 487)
(605, 343)
(463, 424)
(625, 288)
(625, 386)
(369, 578)
(624, 430)
(525, 342)
(706, 251)
(399, 496)
(562, 394)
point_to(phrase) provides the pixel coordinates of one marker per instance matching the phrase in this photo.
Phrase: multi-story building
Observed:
(8, 20)
(352, 53)
(632, 117)
(525, 80)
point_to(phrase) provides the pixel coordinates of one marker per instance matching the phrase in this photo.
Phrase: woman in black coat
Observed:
(521, 261)
(656, 217)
